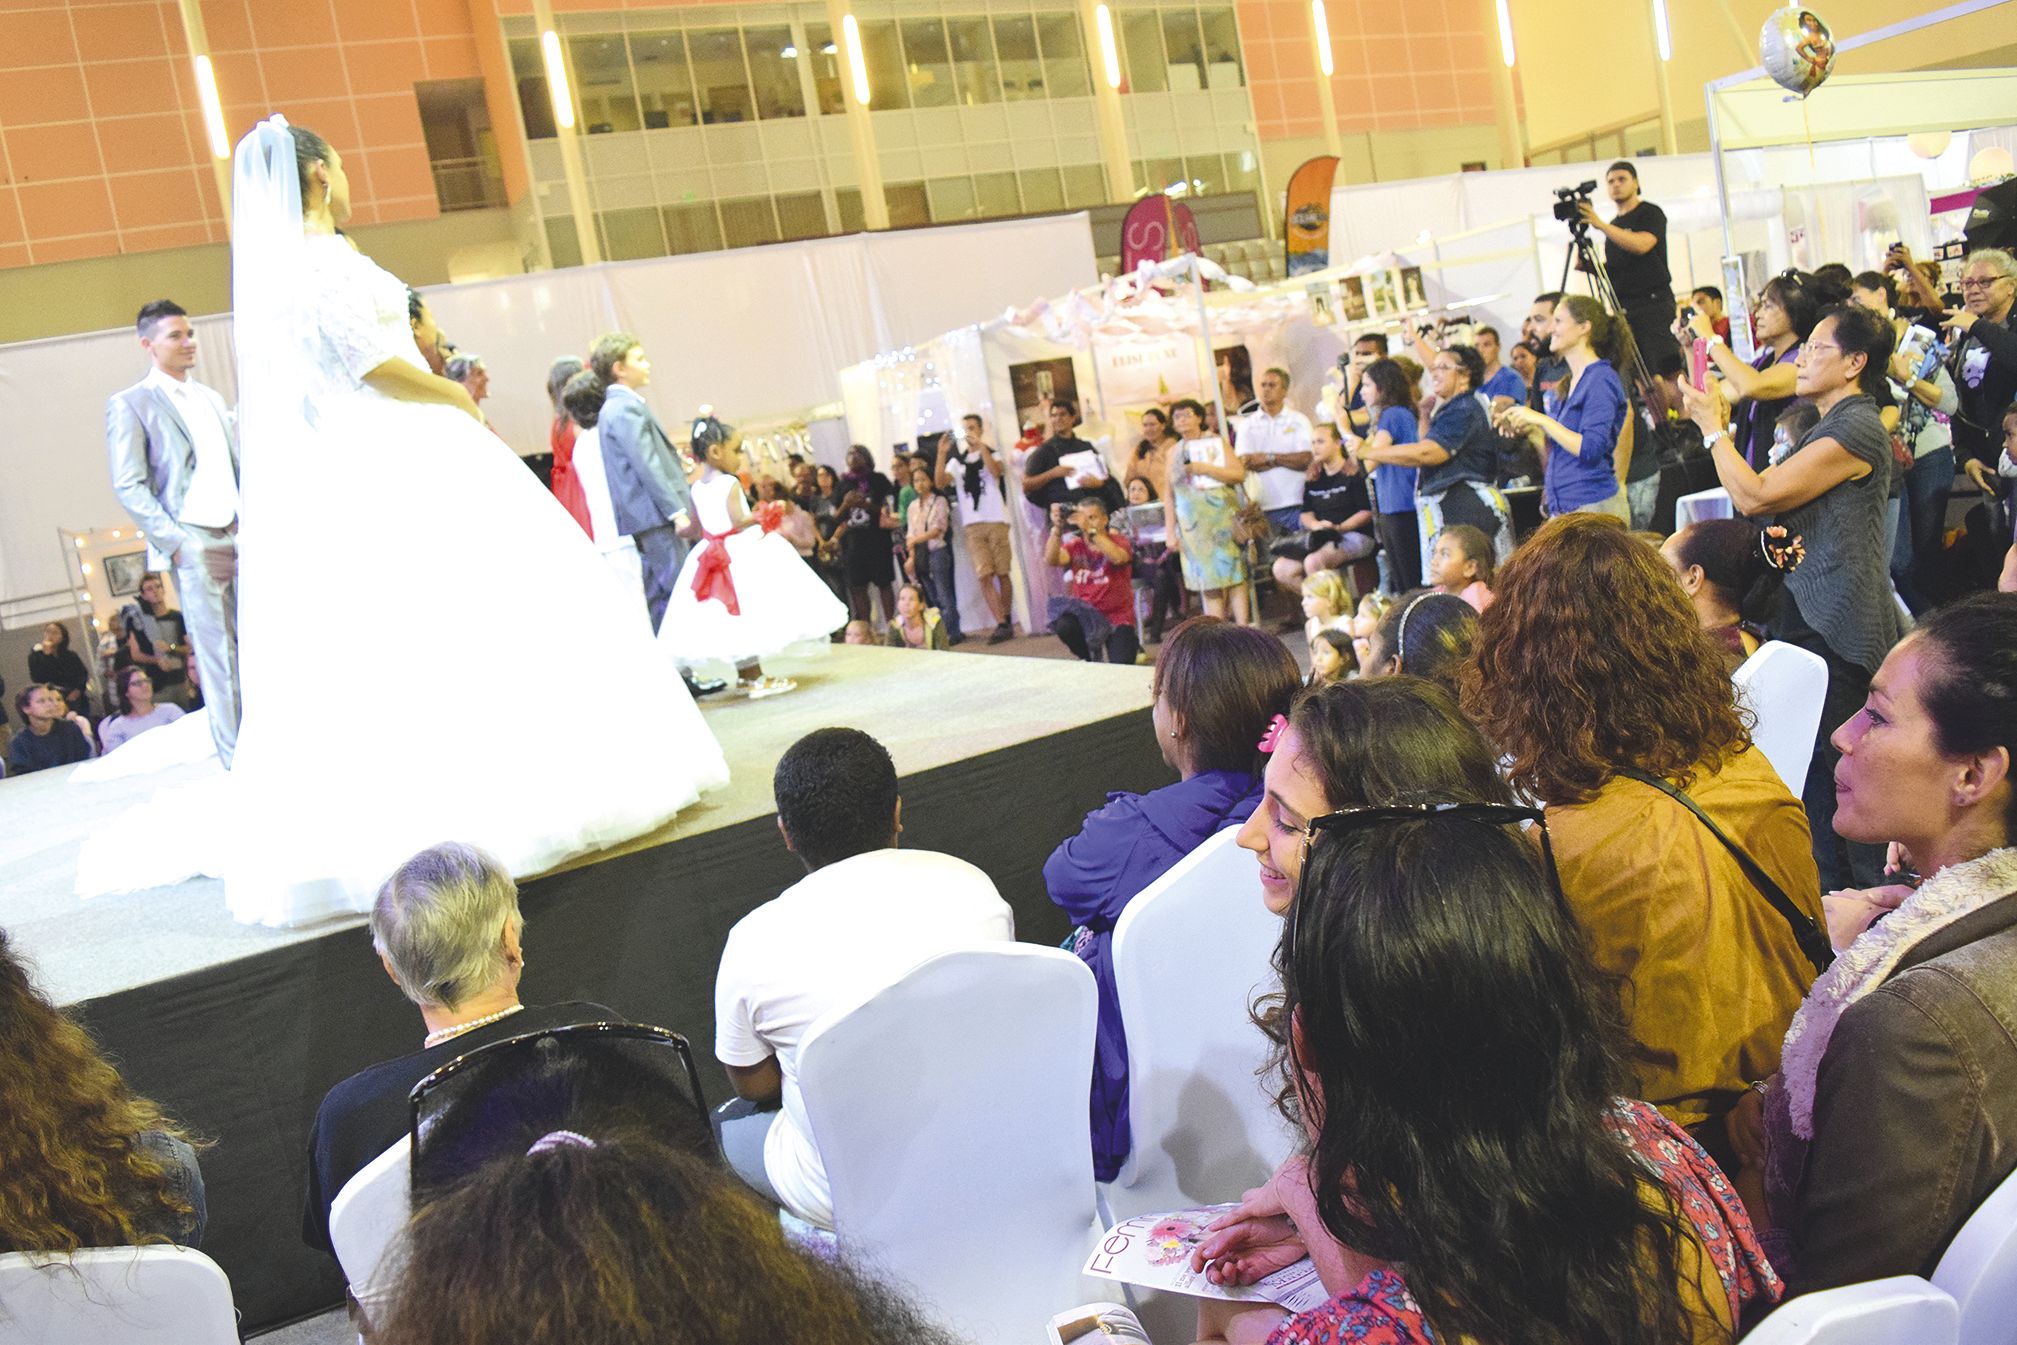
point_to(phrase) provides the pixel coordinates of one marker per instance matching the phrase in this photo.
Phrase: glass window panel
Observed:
(996, 195)
(1085, 185)
(719, 76)
(561, 242)
(848, 199)
(1207, 177)
(1042, 190)
(908, 206)
(1185, 48)
(825, 57)
(801, 215)
(952, 198)
(664, 82)
(692, 228)
(927, 64)
(1065, 69)
(602, 83)
(1022, 70)
(535, 104)
(748, 222)
(630, 234)
(1142, 44)
(973, 65)
(1165, 174)
(773, 72)
(888, 80)
(1242, 172)
(1222, 48)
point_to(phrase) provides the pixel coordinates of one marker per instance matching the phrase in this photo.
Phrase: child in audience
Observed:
(858, 632)
(1326, 600)
(1158, 573)
(1372, 610)
(1461, 563)
(1098, 611)
(1331, 657)
(917, 624)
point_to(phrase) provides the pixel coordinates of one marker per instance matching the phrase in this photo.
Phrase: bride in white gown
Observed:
(430, 648)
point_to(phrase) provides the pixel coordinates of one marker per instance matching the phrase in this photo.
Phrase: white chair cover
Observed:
(1903, 1310)
(1979, 1269)
(154, 1295)
(1702, 506)
(1784, 687)
(950, 1112)
(367, 1215)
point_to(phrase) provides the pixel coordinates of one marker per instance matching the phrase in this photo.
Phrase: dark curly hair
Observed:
(1590, 659)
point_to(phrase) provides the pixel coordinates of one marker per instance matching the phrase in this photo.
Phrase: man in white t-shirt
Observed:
(970, 473)
(864, 914)
(1274, 442)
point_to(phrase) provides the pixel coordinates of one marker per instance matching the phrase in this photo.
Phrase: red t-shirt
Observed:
(1099, 582)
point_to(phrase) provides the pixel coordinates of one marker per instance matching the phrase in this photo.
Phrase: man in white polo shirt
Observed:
(1274, 443)
(970, 473)
(864, 914)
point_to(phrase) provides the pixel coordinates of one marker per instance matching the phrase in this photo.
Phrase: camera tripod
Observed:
(1635, 374)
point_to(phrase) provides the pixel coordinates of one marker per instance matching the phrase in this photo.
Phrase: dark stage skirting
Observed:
(242, 1052)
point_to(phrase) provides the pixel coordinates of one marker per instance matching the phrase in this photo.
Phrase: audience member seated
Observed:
(633, 1241)
(1217, 688)
(54, 663)
(1476, 1170)
(917, 624)
(1460, 563)
(1426, 635)
(55, 734)
(1325, 602)
(1373, 609)
(133, 694)
(83, 1162)
(1368, 743)
(1336, 518)
(1594, 678)
(1889, 1121)
(151, 634)
(446, 927)
(1728, 571)
(864, 914)
(1332, 658)
(1095, 616)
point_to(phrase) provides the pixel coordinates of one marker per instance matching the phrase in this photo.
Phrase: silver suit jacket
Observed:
(153, 458)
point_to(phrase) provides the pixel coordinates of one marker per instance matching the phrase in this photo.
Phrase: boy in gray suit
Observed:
(647, 474)
(174, 453)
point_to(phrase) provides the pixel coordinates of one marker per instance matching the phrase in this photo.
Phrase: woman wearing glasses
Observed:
(1831, 490)
(1600, 705)
(1783, 317)
(1984, 359)
(1474, 1168)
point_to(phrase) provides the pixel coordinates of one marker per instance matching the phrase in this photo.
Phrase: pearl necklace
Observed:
(448, 1033)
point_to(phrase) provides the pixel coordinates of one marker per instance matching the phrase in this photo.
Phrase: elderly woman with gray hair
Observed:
(447, 929)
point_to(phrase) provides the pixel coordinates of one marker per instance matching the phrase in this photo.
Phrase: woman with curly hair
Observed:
(1593, 676)
(83, 1162)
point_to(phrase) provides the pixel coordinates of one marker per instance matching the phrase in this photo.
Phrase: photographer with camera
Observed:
(1635, 255)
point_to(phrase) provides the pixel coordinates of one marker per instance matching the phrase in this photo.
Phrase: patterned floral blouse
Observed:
(1381, 1311)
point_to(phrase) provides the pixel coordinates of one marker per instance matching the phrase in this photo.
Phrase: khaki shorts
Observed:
(988, 545)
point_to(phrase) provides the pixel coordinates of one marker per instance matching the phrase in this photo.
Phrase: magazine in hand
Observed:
(1154, 1252)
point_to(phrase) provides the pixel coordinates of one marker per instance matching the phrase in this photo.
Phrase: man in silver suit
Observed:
(174, 452)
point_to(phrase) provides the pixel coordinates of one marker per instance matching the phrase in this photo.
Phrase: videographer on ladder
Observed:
(1635, 255)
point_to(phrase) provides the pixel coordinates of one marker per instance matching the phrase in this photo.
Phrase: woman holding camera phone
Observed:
(1588, 421)
(1200, 504)
(1783, 317)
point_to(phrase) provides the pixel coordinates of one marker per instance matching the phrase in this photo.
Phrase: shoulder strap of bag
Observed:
(1813, 943)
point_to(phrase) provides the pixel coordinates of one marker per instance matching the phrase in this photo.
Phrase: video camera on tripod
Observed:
(1569, 203)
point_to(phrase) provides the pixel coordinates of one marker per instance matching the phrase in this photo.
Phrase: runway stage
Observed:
(238, 1031)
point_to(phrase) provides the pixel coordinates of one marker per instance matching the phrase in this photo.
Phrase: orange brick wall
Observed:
(102, 146)
(1397, 67)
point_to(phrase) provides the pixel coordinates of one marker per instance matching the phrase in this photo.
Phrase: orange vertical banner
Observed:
(1307, 228)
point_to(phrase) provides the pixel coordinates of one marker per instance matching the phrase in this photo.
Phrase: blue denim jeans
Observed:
(1920, 523)
(939, 588)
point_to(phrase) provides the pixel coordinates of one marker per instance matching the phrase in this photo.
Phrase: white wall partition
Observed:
(757, 333)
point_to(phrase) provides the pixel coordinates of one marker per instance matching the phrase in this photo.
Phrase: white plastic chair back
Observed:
(1784, 687)
(1979, 1269)
(154, 1295)
(1702, 506)
(950, 1113)
(1903, 1310)
(367, 1215)
(1190, 954)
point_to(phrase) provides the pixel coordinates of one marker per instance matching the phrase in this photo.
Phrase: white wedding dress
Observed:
(430, 648)
(781, 604)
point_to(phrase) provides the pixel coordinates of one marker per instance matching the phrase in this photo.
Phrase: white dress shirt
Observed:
(1279, 435)
(212, 498)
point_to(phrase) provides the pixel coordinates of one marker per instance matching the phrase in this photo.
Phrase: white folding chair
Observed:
(1903, 1310)
(1784, 686)
(367, 1215)
(1702, 506)
(1190, 953)
(950, 1114)
(154, 1295)
(1979, 1268)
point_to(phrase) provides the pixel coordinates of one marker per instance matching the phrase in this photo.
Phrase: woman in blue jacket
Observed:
(1218, 687)
(1583, 432)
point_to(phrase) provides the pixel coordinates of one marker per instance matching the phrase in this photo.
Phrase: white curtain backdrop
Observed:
(758, 333)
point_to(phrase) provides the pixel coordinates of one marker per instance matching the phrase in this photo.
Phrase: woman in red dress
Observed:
(566, 485)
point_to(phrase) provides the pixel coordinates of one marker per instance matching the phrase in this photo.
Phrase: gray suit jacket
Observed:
(647, 484)
(153, 458)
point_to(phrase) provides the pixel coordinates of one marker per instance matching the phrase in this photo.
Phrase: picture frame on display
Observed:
(124, 573)
(1352, 298)
(1382, 295)
(1414, 294)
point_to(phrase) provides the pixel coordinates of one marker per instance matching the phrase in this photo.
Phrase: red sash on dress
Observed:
(711, 578)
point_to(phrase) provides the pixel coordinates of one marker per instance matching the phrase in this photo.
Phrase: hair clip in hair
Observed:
(1273, 737)
(560, 1139)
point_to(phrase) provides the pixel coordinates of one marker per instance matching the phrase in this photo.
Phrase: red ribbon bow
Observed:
(711, 578)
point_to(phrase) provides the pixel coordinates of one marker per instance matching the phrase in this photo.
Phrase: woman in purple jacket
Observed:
(1217, 688)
